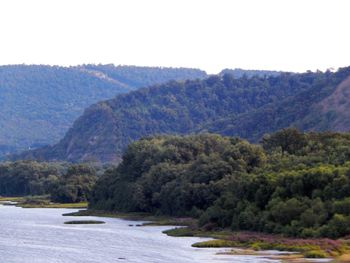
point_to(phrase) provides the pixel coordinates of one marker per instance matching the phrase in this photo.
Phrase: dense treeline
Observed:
(65, 183)
(39, 103)
(246, 107)
(296, 184)
(75, 185)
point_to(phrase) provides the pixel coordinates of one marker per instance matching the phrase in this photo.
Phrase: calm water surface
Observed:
(39, 235)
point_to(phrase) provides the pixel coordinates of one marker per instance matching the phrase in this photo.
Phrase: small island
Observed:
(84, 222)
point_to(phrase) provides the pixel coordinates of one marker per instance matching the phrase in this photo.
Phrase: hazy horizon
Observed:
(210, 35)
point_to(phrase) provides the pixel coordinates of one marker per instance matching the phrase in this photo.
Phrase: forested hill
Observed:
(323, 107)
(223, 104)
(39, 103)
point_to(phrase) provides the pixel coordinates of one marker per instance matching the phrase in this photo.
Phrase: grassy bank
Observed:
(150, 219)
(40, 202)
(12, 199)
(309, 248)
(54, 205)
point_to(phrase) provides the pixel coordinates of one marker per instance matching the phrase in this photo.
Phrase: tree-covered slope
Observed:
(322, 107)
(39, 103)
(260, 104)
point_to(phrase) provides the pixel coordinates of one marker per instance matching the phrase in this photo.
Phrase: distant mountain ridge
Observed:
(39, 103)
(247, 107)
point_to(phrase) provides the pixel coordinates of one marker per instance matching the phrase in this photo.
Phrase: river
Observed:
(40, 236)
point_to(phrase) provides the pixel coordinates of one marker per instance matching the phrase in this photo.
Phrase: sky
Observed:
(289, 35)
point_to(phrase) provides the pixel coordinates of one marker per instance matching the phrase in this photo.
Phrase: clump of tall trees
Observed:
(292, 183)
(75, 185)
(65, 183)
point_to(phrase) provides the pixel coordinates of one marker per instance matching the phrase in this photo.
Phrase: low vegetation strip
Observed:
(309, 248)
(148, 218)
(39, 202)
(11, 199)
(82, 222)
(54, 205)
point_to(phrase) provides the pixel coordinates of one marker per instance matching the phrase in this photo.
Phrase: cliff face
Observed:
(335, 109)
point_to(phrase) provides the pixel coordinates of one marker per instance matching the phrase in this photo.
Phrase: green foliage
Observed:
(342, 206)
(216, 243)
(316, 254)
(75, 185)
(28, 178)
(174, 175)
(302, 190)
(288, 140)
(64, 182)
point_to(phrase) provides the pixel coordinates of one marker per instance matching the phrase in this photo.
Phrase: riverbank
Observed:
(308, 248)
(39, 202)
(241, 243)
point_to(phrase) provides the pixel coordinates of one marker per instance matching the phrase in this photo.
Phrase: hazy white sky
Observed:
(294, 35)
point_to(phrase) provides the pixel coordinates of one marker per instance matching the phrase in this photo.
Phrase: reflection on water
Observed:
(39, 235)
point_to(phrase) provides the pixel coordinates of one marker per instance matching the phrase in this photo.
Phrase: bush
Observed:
(315, 254)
